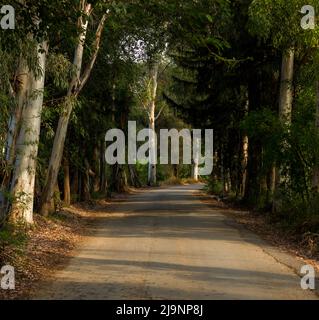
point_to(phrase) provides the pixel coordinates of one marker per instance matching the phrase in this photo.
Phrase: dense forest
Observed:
(70, 70)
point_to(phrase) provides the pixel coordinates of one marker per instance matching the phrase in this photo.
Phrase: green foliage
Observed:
(220, 68)
(264, 126)
(279, 21)
(214, 186)
(60, 69)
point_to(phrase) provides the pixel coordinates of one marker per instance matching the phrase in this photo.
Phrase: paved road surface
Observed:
(167, 244)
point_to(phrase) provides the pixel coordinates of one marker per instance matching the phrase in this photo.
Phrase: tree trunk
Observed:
(195, 167)
(86, 183)
(56, 200)
(135, 182)
(14, 121)
(272, 181)
(13, 130)
(97, 169)
(222, 171)
(245, 146)
(119, 179)
(286, 86)
(315, 176)
(175, 171)
(27, 145)
(103, 179)
(285, 112)
(75, 185)
(195, 171)
(75, 87)
(153, 151)
(67, 189)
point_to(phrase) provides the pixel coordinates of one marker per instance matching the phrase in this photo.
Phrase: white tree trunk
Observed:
(76, 85)
(286, 86)
(12, 135)
(27, 144)
(152, 108)
(22, 78)
(285, 112)
(195, 169)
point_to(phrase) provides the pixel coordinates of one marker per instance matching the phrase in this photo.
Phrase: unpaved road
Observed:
(167, 244)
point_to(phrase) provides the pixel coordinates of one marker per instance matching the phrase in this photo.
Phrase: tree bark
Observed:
(285, 112)
(315, 176)
(245, 146)
(27, 144)
(97, 169)
(20, 96)
(119, 179)
(152, 108)
(286, 86)
(103, 178)
(75, 183)
(135, 181)
(195, 167)
(86, 182)
(67, 189)
(75, 87)
(175, 171)
(14, 121)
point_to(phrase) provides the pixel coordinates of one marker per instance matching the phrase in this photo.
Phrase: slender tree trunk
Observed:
(75, 184)
(60, 136)
(27, 144)
(97, 169)
(153, 151)
(86, 182)
(20, 98)
(103, 179)
(67, 189)
(119, 179)
(175, 170)
(56, 200)
(14, 121)
(286, 86)
(315, 176)
(245, 146)
(195, 168)
(272, 180)
(222, 171)
(285, 112)
(135, 181)
(75, 87)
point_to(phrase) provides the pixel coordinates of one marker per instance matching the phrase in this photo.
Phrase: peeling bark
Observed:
(23, 181)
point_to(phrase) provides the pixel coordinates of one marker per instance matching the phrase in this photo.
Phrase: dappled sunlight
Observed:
(161, 250)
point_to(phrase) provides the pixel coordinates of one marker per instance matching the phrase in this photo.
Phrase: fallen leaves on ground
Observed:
(48, 247)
